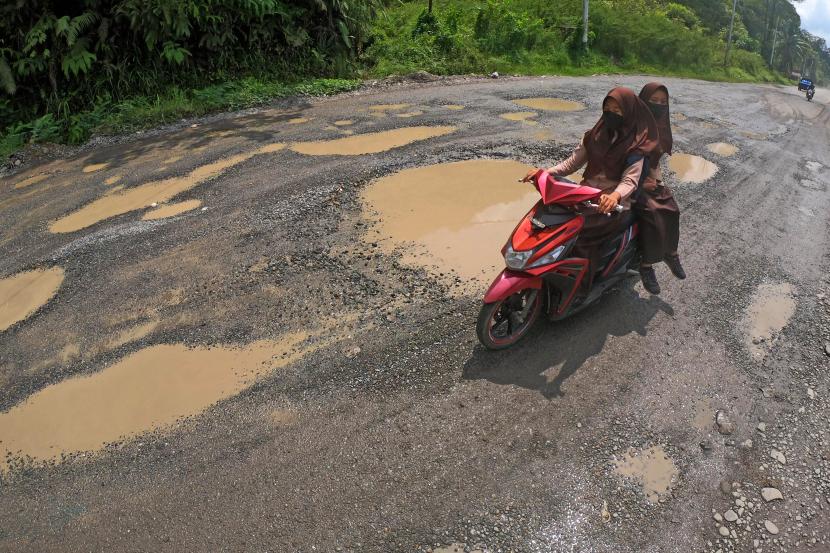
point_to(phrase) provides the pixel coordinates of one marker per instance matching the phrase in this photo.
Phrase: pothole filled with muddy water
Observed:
(451, 216)
(149, 389)
(118, 202)
(24, 293)
(169, 210)
(771, 309)
(651, 468)
(370, 143)
(722, 149)
(550, 104)
(523, 116)
(689, 168)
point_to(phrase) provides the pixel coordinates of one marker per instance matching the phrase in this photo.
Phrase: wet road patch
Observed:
(523, 116)
(689, 168)
(550, 104)
(94, 167)
(139, 197)
(753, 135)
(722, 149)
(170, 210)
(771, 309)
(651, 468)
(388, 107)
(24, 293)
(457, 215)
(369, 143)
(133, 334)
(29, 181)
(150, 389)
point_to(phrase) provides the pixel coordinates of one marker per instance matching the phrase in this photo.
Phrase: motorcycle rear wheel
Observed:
(503, 323)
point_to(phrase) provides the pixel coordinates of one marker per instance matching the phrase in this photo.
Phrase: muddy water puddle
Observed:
(771, 309)
(651, 468)
(451, 216)
(754, 135)
(370, 143)
(454, 107)
(95, 167)
(550, 104)
(150, 389)
(703, 416)
(381, 108)
(689, 168)
(130, 199)
(132, 334)
(24, 293)
(170, 210)
(31, 180)
(523, 116)
(408, 114)
(344, 122)
(722, 149)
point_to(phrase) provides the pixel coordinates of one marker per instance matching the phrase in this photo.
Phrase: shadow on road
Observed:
(566, 344)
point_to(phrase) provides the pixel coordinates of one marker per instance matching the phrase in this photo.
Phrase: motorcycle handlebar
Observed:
(618, 208)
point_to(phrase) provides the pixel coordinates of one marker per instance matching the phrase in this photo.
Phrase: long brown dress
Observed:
(657, 211)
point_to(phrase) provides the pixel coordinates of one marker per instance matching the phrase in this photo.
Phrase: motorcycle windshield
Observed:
(554, 191)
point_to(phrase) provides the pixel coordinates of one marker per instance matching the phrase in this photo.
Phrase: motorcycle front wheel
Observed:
(503, 323)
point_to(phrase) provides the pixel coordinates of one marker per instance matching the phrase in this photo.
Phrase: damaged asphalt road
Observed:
(283, 358)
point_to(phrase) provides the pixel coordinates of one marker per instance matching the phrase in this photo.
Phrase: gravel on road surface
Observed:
(220, 343)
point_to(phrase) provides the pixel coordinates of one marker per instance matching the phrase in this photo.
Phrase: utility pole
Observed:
(729, 40)
(585, 24)
(774, 37)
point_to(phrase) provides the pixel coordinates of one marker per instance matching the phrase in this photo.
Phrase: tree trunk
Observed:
(729, 41)
(585, 24)
(429, 9)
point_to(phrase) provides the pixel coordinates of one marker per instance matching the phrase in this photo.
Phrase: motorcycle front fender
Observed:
(508, 283)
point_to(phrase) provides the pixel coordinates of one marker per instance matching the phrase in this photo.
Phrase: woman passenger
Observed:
(658, 213)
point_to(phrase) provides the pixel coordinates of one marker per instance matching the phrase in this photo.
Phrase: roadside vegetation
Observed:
(68, 71)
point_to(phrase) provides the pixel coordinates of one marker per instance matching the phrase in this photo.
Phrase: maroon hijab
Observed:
(637, 135)
(663, 123)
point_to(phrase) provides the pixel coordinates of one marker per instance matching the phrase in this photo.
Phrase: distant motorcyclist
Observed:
(806, 83)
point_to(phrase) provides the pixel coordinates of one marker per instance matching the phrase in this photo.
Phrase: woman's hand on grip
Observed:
(607, 202)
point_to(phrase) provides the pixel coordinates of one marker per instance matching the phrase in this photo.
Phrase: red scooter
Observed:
(540, 276)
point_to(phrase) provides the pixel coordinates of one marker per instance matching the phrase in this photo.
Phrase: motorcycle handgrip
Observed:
(618, 208)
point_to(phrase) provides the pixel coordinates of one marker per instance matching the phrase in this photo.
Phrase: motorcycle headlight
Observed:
(516, 260)
(549, 257)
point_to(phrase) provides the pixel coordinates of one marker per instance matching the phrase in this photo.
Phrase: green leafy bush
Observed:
(63, 59)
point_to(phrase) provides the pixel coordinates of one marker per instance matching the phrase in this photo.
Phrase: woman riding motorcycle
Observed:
(615, 150)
